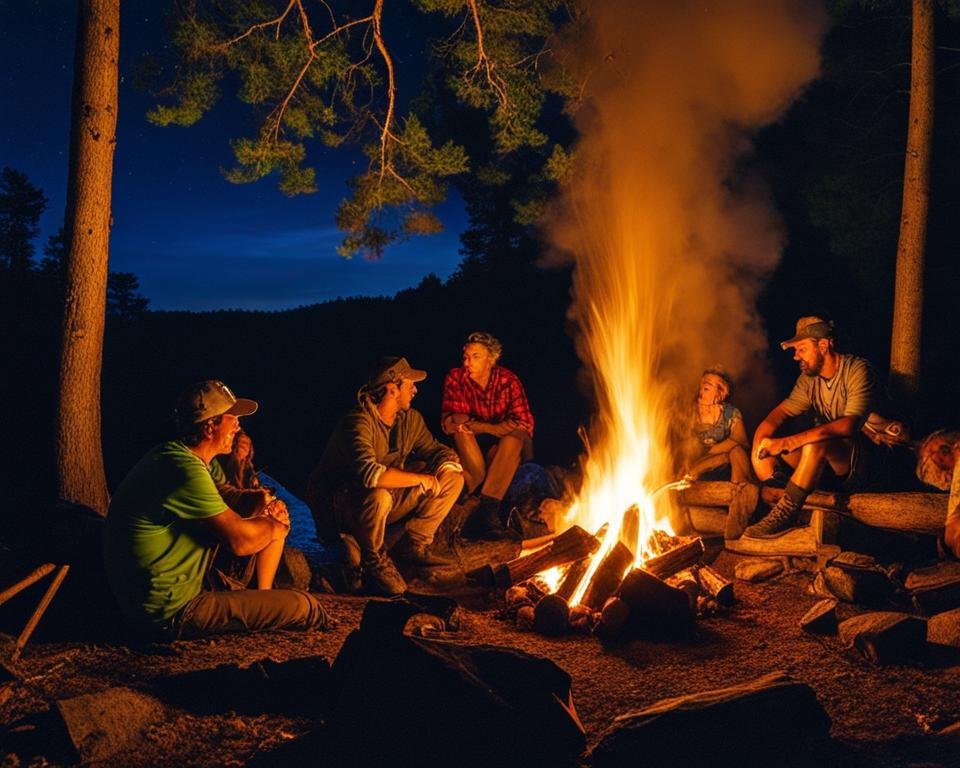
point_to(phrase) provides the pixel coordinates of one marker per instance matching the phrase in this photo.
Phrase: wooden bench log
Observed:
(897, 511)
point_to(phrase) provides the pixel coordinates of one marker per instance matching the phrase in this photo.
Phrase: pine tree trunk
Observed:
(908, 295)
(79, 452)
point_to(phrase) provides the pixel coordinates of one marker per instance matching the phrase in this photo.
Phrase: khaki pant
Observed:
(249, 610)
(366, 513)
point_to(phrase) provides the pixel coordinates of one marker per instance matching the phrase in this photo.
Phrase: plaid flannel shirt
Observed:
(502, 399)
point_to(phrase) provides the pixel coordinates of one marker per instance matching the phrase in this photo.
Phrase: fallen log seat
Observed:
(907, 512)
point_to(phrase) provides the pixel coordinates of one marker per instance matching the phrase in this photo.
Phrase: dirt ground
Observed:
(885, 716)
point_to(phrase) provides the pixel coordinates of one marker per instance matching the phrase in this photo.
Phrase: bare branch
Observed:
(262, 25)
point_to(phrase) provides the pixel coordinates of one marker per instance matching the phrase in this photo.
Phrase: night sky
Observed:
(195, 241)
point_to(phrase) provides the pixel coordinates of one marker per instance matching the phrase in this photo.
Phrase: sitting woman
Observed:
(239, 486)
(723, 451)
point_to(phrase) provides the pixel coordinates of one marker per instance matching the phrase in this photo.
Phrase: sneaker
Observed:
(418, 554)
(776, 522)
(381, 577)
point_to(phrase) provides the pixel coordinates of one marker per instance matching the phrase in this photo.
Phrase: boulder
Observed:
(944, 628)
(885, 637)
(757, 569)
(754, 723)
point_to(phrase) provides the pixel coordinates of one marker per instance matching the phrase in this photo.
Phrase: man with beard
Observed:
(839, 391)
(365, 479)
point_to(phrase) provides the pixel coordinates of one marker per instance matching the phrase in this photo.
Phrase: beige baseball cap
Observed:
(392, 369)
(809, 328)
(208, 399)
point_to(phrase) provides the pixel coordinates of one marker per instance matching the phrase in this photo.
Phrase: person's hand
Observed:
(277, 509)
(773, 446)
(429, 485)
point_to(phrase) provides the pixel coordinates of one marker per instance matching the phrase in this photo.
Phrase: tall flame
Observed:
(670, 238)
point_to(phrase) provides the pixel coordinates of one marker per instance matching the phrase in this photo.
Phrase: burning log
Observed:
(571, 545)
(687, 583)
(715, 585)
(656, 608)
(630, 528)
(582, 619)
(608, 576)
(676, 559)
(572, 578)
(613, 619)
(551, 616)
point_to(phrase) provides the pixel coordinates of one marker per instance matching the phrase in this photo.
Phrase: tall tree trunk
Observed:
(908, 294)
(79, 452)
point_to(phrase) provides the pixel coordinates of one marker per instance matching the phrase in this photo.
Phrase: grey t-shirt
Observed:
(852, 391)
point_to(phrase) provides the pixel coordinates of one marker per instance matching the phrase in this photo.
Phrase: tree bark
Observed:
(908, 292)
(79, 453)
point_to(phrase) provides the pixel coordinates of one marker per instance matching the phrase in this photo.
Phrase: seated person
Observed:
(362, 483)
(166, 518)
(485, 410)
(840, 391)
(722, 442)
(937, 465)
(239, 485)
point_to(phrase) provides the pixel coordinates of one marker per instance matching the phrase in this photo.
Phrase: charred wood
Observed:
(715, 585)
(608, 576)
(676, 559)
(569, 546)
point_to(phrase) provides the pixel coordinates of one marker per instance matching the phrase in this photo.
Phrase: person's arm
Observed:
(838, 429)
(401, 478)
(454, 408)
(246, 535)
(518, 413)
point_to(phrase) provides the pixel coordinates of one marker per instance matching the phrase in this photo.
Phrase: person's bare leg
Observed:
(268, 560)
(471, 459)
(502, 467)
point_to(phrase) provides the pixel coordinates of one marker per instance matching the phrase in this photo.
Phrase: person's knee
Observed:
(451, 483)
(379, 499)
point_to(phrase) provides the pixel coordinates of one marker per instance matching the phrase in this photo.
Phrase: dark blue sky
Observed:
(195, 240)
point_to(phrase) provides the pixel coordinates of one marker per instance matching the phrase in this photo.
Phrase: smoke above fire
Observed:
(671, 233)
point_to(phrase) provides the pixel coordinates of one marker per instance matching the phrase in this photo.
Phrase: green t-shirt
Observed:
(156, 548)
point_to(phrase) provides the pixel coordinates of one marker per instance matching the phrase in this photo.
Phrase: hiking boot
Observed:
(485, 523)
(776, 522)
(418, 554)
(381, 577)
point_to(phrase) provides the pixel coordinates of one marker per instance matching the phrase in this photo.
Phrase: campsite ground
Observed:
(884, 716)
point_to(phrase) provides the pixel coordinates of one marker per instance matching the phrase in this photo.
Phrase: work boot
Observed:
(381, 577)
(485, 523)
(418, 554)
(777, 521)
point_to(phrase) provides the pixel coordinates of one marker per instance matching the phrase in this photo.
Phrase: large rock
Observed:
(757, 569)
(944, 628)
(821, 619)
(101, 724)
(400, 700)
(857, 578)
(755, 723)
(936, 588)
(296, 687)
(885, 637)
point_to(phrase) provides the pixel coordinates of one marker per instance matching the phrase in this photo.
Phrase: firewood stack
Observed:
(661, 599)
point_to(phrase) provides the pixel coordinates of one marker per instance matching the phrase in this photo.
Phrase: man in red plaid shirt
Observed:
(485, 409)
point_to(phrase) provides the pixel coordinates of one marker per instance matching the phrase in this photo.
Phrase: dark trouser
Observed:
(248, 610)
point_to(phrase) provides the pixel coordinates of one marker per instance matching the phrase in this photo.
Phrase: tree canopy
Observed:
(313, 71)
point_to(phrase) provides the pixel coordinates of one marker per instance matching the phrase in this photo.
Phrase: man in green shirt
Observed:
(166, 518)
(363, 481)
